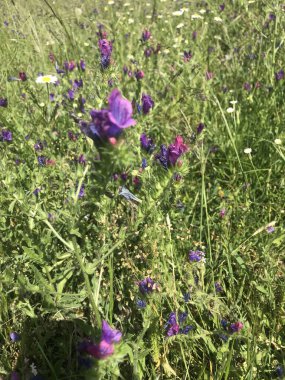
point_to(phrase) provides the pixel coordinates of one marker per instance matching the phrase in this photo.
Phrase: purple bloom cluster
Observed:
(169, 156)
(146, 35)
(105, 48)
(147, 103)
(108, 124)
(279, 75)
(147, 285)
(147, 143)
(174, 328)
(3, 102)
(197, 256)
(6, 135)
(105, 347)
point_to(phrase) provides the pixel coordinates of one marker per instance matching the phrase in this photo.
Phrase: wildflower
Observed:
(222, 213)
(247, 150)
(81, 193)
(162, 157)
(105, 48)
(148, 52)
(141, 304)
(200, 128)
(36, 191)
(178, 13)
(270, 229)
(70, 94)
(194, 35)
(230, 110)
(279, 75)
(6, 135)
(182, 317)
(222, 7)
(136, 181)
(3, 102)
(218, 287)
(272, 17)
(105, 347)
(22, 76)
(185, 330)
(278, 141)
(147, 103)
(46, 79)
(109, 123)
(81, 159)
(139, 74)
(77, 84)
(187, 55)
(42, 160)
(146, 35)
(280, 371)
(69, 66)
(14, 336)
(144, 163)
(115, 176)
(236, 327)
(224, 324)
(197, 256)
(124, 176)
(176, 150)
(147, 143)
(147, 285)
(82, 65)
(51, 97)
(173, 330)
(247, 86)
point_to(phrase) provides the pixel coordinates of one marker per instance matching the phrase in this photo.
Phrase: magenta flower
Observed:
(105, 347)
(146, 35)
(176, 150)
(236, 327)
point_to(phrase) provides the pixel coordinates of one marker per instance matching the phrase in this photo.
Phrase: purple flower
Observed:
(3, 102)
(279, 371)
(81, 159)
(147, 143)
(144, 163)
(109, 123)
(110, 335)
(77, 84)
(81, 193)
(69, 66)
(173, 330)
(146, 35)
(272, 17)
(124, 176)
(222, 7)
(82, 64)
(176, 150)
(51, 97)
(197, 256)
(147, 285)
(36, 191)
(270, 229)
(194, 36)
(224, 324)
(141, 304)
(187, 297)
(236, 327)
(70, 94)
(279, 75)
(222, 213)
(6, 135)
(38, 146)
(14, 336)
(247, 86)
(105, 48)
(148, 52)
(209, 75)
(139, 74)
(187, 55)
(200, 128)
(101, 350)
(162, 157)
(147, 103)
(42, 160)
(218, 287)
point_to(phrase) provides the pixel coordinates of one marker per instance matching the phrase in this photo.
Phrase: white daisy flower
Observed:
(46, 79)
(247, 150)
(278, 141)
(230, 110)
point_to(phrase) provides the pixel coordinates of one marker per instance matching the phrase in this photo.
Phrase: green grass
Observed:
(60, 276)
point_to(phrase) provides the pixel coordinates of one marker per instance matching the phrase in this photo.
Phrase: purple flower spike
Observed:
(236, 327)
(110, 335)
(200, 128)
(279, 75)
(173, 330)
(146, 35)
(147, 286)
(197, 256)
(82, 65)
(147, 143)
(147, 103)
(120, 110)
(176, 150)
(6, 135)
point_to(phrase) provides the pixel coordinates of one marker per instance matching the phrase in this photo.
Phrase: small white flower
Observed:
(34, 369)
(278, 141)
(233, 102)
(195, 16)
(218, 19)
(247, 150)
(230, 110)
(46, 79)
(179, 26)
(202, 11)
(178, 13)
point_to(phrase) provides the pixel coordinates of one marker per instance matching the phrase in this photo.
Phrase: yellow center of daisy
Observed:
(46, 79)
